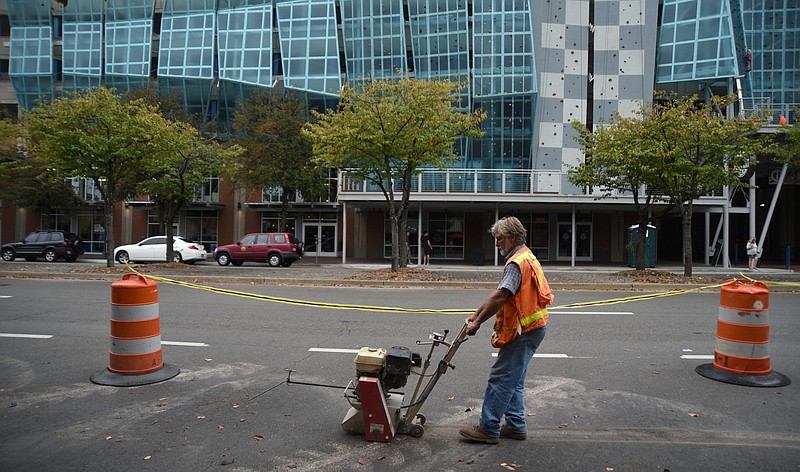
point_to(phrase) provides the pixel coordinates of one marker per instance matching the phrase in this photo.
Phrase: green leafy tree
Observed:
(387, 131)
(618, 161)
(96, 134)
(276, 154)
(696, 151)
(178, 169)
(791, 154)
(26, 180)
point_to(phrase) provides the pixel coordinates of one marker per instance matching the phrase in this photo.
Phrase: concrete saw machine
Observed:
(377, 409)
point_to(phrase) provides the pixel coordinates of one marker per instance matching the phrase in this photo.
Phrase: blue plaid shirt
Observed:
(512, 275)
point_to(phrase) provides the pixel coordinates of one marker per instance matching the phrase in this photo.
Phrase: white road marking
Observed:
(5, 296)
(333, 350)
(28, 336)
(555, 311)
(698, 356)
(182, 343)
(553, 356)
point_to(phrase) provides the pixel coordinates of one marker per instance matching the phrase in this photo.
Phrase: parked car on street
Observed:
(154, 249)
(50, 245)
(276, 249)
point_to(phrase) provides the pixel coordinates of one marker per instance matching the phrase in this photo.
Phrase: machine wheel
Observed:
(416, 430)
(176, 257)
(421, 418)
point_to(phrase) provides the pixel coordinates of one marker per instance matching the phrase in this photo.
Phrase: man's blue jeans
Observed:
(506, 388)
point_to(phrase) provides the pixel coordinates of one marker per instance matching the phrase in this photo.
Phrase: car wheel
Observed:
(123, 257)
(176, 257)
(274, 260)
(223, 259)
(237, 263)
(50, 255)
(286, 264)
(8, 255)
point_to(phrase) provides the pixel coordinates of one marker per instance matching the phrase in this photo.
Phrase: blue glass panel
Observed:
(186, 47)
(82, 35)
(299, 23)
(374, 41)
(128, 36)
(503, 33)
(696, 42)
(27, 13)
(194, 94)
(772, 31)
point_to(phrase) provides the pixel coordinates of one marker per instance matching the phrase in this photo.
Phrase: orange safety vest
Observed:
(527, 310)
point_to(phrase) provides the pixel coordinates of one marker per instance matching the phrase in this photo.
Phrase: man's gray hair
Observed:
(510, 226)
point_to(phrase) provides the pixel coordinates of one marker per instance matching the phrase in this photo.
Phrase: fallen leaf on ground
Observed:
(201, 417)
(226, 462)
(694, 415)
(147, 458)
(361, 461)
(259, 437)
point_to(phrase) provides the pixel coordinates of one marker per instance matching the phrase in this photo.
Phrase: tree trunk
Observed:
(686, 217)
(395, 223)
(108, 217)
(170, 233)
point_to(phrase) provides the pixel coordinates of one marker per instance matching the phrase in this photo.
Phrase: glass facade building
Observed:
(533, 67)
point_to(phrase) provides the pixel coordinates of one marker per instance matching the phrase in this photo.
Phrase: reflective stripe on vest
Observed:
(525, 299)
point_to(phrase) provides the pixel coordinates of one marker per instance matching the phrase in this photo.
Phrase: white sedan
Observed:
(154, 249)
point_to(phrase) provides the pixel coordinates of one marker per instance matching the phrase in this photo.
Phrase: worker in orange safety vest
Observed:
(520, 306)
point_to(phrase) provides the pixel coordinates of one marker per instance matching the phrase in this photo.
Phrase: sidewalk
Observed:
(328, 272)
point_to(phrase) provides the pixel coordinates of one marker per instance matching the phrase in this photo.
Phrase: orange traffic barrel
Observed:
(741, 354)
(135, 357)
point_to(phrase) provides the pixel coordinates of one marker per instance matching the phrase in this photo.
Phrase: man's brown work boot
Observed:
(474, 433)
(511, 434)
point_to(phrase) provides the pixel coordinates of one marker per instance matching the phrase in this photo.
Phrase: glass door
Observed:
(319, 239)
(583, 242)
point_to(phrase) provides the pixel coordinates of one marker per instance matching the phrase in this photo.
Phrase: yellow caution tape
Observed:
(447, 311)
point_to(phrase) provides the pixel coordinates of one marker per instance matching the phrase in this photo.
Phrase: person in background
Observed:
(427, 248)
(520, 305)
(752, 253)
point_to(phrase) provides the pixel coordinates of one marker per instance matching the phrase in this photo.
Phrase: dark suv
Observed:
(51, 245)
(276, 249)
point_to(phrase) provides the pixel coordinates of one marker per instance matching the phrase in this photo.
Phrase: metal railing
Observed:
(466, 181)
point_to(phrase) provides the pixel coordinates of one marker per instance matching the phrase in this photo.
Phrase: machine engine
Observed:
(391, 367)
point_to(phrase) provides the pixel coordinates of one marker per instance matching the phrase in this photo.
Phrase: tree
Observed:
(94, 133)
(277, 155)
(618, 161)
(387, 131)
(26, 180)
(791, 154)
(696, 151)
(178, 169)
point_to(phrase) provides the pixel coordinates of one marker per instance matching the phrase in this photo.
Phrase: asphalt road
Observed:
(611, 390)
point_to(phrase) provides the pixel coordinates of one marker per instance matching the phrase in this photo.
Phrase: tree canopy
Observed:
(175, 173)
(276, 154)
(387, 131)
(94, 133)
(680, 148)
